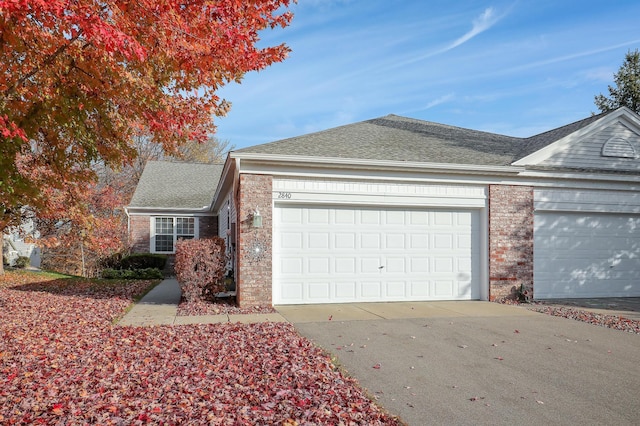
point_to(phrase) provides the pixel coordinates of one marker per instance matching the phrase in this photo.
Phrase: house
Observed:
(398, 209)
(172, 200)
(15, 244)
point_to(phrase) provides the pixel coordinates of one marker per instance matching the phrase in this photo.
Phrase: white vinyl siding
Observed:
(587, 152)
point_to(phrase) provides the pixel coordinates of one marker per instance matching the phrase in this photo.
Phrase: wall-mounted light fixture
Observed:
(256, 219)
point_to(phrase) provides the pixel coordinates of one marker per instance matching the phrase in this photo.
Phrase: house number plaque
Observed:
(284, 195)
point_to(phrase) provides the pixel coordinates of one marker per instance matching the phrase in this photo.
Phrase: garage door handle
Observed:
(380, 267)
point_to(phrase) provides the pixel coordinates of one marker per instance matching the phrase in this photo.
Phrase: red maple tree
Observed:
(79, 78)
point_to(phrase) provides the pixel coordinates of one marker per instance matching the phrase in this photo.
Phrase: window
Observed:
(168, 230)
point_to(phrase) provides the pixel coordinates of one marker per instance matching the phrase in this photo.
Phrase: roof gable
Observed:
(608, 142)
(168, 185)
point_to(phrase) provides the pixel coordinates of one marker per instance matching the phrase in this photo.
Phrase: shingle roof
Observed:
(176, 185)
(537, 142)
(396, 138)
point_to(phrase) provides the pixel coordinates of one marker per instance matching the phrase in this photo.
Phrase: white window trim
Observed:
(152, 232)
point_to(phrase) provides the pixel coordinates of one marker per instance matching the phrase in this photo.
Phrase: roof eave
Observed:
(164, 210)
(379, 164)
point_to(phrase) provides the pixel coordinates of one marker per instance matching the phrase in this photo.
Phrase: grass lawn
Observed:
(62, 361)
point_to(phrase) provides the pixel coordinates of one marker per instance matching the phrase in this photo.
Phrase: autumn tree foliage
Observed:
(79, 78)
(77, 240)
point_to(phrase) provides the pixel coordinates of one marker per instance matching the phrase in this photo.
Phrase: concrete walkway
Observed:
(160, 307)
(397, 310)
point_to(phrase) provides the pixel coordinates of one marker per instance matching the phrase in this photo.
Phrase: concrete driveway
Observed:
(480, 363)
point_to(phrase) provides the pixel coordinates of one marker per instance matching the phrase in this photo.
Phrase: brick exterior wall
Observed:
(139, 233)
(207, 226)
(254, 271)
(510, 240)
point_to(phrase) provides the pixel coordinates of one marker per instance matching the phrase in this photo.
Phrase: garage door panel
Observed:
(345, 217)
(464, 241)
(345, 265)
(443, 218)
(419, 241)
(337, 255)
(317, 240)
(291, 240)
(595, 255)
(369, 217)
(396, 289)
(419, 265)
(318, 265)
(291, 266)
(345, 241)
(318, 217)
(443, 288)
(419, 288)
(419, 218)
(319, 291)
(442, 265)
(292, 291)
(370, 265)
(442, 241)
(291, 216)
(370, 242)
(395, 265)
(371, 290)
(395, 217)
(345, 290)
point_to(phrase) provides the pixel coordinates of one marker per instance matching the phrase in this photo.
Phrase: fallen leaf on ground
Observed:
(63, 361)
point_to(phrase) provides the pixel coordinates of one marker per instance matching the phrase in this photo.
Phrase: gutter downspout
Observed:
(126, 211)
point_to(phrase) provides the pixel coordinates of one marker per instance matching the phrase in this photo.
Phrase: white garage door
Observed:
(341, 254)
(594, 255)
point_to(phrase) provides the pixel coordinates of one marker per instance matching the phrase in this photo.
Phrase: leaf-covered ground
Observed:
(219, 307)
(616, 322)
(610, 321)
(62, 361)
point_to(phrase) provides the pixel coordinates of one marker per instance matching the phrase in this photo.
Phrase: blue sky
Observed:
(511, 67)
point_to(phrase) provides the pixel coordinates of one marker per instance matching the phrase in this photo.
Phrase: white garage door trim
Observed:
(343, 254)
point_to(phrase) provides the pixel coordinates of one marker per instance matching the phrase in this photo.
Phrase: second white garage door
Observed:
(342, 254)
(593, 255)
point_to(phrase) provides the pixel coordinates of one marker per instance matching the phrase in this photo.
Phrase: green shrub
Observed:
(113, 261)
(132, 274)
(22, 262)
(143, 261)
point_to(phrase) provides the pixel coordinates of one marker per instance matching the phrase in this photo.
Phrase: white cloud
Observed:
(570, 57)
(482, 23)
(440, 100)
